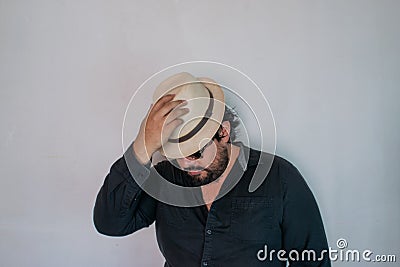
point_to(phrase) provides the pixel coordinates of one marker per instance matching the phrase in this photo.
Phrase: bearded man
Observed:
(231, 226)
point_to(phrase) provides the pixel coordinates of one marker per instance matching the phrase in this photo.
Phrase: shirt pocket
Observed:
(172, 215)
(252, 218)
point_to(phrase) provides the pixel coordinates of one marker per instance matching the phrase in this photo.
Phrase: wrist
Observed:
(142, 154)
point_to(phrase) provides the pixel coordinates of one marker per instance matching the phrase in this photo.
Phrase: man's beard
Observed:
(214, 170)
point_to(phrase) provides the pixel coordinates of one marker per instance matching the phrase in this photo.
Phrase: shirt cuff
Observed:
(136, 169)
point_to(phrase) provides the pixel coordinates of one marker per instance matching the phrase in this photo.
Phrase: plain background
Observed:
(330, 70)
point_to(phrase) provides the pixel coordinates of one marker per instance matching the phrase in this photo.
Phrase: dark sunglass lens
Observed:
(198, 154)
(195, 155)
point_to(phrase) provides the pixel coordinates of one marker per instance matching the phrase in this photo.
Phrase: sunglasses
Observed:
(199, 154)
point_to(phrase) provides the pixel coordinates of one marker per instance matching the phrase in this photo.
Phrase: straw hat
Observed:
(205, 100)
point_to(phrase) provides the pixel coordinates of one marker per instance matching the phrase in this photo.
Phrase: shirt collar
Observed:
(244, 157)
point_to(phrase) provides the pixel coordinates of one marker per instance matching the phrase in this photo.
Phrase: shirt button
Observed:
(205, 263)
(209, 232)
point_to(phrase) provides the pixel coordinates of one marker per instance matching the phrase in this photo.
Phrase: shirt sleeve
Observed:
(302, 226)
(122, 207)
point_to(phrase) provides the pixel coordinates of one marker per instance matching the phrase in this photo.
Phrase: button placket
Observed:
(208, 239)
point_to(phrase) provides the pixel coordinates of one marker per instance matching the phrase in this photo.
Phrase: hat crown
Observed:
(186, 87)
(205, 100)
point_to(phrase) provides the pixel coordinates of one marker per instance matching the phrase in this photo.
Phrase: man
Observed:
(234, 228)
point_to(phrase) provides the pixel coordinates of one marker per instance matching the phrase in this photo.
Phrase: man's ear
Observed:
(224, 133)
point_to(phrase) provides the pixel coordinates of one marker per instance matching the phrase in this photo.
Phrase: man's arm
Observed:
(122, 207)
(302, 225)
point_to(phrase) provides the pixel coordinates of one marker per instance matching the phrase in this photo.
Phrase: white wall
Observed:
(330, 70)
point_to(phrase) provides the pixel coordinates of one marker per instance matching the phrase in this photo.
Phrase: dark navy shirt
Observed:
(241, 228)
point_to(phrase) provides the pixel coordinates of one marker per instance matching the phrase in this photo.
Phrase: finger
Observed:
(169, 106)
(175, 113)
(168, 128)
(160, 102)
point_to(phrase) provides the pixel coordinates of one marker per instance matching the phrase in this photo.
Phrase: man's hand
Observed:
(161, 119)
